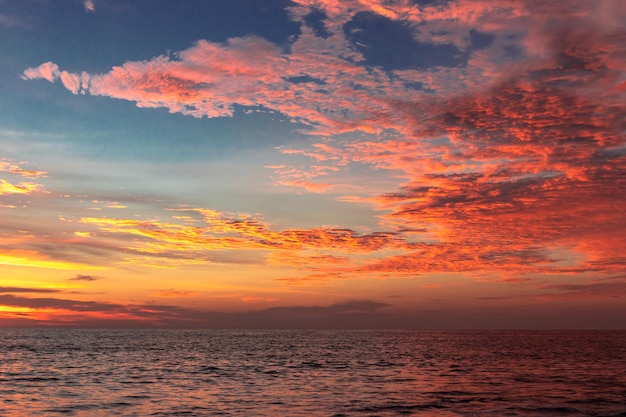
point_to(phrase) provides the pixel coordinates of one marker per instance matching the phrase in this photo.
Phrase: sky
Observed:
(313, 164)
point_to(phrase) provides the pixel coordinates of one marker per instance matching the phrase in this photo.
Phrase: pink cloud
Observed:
(70, 81)
(89, 6)
(209, 79)
(204, 80)
(533, 160)
(497, 158)
(48, 71)
(315, 187)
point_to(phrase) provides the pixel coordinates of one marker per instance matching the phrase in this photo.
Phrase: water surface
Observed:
(48, 372)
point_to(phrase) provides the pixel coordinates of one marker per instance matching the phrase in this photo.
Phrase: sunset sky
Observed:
(313, 163)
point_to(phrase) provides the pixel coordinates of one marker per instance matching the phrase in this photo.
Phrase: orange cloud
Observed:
(174, 293)
(500, 180)
(30, 258)
(20, 188)
(24, 187)
(253, 299)
(215, 231)
(6, 166)
(497, 178)
(507, 162)
(292, 258)
(73, 312)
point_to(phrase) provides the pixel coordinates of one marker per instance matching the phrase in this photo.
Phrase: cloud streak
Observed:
(88, 278)
(7, 166)
(65, 312)
(25, 187)
(27, 290)
(202, 232)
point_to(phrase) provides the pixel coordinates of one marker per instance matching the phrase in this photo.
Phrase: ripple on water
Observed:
(93, 373)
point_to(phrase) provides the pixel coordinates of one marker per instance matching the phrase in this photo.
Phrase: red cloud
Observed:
(501, 180)
(536, 161)
(517, 157)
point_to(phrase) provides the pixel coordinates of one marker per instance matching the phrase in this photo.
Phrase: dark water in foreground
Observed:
(311, 373)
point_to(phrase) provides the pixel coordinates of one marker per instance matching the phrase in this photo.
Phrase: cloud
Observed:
(6, 166)
(89, 6)
(205, 80)
(587, 290)
(80, 313)
(524, 175)
(35, 259)
(355, 306)
(174, 293)
(210, 79)
(197, 240)
(510, 152)
(88, 278)
(301, 177)
(70, 81)
(253, 299)
(47, 71)
(50, 71)
(27, 290)
(56, 303)
(299, 259)
(73, 313)
(20, 188)
(350, 314)
(317, 82)
(225, 231)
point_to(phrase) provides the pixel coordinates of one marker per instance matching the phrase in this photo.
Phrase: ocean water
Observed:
(62, 372)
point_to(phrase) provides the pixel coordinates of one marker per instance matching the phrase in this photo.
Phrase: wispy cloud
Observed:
(589, 290)
(50, 71)
(22, 187)
(174, 293)
(87, 278)
(11, 21)
(98, 314)
(27, 290)
(214, 231)
(7, 166)
(35, 259)
(19, 188)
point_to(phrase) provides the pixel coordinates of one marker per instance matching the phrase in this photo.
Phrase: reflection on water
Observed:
(311, 373)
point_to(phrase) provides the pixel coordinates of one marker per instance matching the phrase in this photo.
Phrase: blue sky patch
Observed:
(392, 45)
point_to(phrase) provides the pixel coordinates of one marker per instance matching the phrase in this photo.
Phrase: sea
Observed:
(82, 372)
